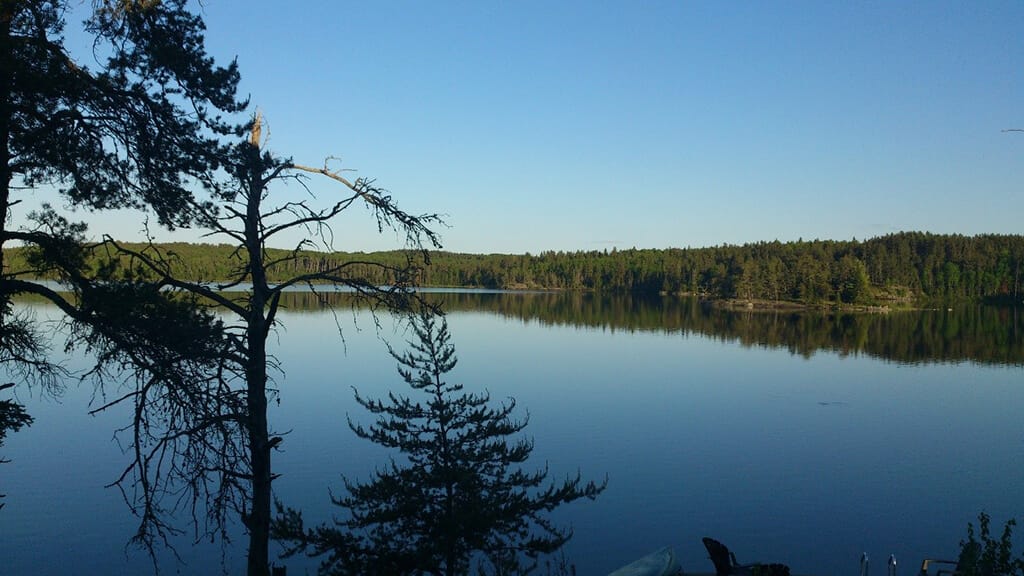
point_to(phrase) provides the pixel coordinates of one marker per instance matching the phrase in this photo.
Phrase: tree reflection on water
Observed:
(967, 333)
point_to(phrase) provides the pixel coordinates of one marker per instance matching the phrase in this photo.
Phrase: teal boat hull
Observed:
(659, 563)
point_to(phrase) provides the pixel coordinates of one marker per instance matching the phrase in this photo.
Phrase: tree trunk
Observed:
(6, 111)
(256, 372)
(259, 450)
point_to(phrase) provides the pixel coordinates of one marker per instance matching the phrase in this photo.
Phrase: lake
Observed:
(804, 438)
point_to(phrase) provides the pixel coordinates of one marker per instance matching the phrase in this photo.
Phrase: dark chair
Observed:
(726, 564)
(929, 563)
(969, 556)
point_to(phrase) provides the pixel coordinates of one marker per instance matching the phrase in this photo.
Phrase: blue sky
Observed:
(583, 125)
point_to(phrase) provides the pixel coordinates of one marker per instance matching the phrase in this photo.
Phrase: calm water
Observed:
(796, 438)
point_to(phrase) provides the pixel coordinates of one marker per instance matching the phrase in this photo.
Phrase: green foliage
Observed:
(458, 496)
(907, 266)
(989, 556)
(852, 282)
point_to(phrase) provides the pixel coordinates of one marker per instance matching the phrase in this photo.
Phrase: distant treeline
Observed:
(906, 265)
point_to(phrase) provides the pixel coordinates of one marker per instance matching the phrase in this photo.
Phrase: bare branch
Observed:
(166, 279)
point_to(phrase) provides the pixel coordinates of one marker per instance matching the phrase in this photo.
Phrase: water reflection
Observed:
(969, 333)
(707, 422)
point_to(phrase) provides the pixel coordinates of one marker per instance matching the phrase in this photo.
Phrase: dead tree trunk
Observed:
(258, 521)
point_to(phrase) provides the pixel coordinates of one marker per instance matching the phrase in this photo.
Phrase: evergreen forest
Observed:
(910, 267)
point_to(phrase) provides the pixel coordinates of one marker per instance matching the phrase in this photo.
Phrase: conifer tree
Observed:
(137, 126)
(458, 496)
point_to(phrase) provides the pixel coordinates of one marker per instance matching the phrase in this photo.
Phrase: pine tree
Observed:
(137, 125)
(459, 495)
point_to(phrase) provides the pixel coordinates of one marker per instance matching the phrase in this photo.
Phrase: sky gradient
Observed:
(589, 125)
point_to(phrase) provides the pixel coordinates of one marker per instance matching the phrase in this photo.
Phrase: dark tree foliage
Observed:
(983, 555)
(168, 347)
(149, 126)
(459, 494)
(12, 418)
(137, 128)
(138, 131)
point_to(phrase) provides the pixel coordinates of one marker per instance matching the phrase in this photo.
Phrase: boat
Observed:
(658, 563)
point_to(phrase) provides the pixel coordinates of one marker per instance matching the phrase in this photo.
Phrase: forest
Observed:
(909, 267)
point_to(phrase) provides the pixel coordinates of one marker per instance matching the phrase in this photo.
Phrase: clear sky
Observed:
(581, 125)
